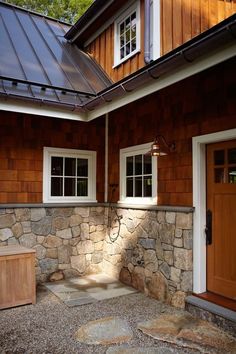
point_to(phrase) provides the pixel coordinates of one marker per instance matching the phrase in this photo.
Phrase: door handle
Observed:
(208, 229)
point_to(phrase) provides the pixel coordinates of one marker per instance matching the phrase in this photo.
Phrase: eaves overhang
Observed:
(200, 53)
(206, 50)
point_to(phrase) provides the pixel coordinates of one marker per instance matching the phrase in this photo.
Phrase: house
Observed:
(81, 109)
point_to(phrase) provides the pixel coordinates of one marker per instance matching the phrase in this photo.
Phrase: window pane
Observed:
(232, 175)
(138, 164)
(133, 16)
(70, 164)
(122, 52)
(56, 186)
(56, 166)
(82, 167)
(122, 27)
(69, 188)
(147, 164)
(232, 155)
(147, 186)
(219, 175)
(127, 36)
(127, 23)
(129, 187)
(82, 187)
(122, 41)
(129, 166)
(133, 45)
(127, 49)
(219, 157)
(138, 186)
(133, 32)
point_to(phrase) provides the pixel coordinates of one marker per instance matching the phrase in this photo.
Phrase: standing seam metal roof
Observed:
(36, 60)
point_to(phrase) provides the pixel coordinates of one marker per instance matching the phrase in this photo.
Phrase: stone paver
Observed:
(187, 331)
(105, 331)
(138, 350)
(88, 289)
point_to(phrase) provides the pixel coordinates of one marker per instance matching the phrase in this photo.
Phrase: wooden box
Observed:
(17, 276)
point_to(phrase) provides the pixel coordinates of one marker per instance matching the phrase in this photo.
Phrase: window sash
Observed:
(82, 176)
(125, 197)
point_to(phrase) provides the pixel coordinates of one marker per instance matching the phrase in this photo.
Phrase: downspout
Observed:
(147, 52)
(106, 159)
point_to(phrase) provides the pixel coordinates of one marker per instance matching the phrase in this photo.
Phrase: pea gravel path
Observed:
(50, 326)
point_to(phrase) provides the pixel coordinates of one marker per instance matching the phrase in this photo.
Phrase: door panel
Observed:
(221, 200)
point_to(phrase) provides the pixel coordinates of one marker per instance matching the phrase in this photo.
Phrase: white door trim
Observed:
(199, 202)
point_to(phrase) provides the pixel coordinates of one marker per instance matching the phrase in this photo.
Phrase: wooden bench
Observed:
(17, 276)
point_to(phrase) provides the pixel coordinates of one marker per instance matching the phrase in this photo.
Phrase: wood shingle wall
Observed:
(22, 138)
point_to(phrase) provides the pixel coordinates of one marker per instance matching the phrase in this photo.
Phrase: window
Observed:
(69, 175)
(127, 34)
(138, 175)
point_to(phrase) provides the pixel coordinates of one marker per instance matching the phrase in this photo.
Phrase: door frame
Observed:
(199, 203)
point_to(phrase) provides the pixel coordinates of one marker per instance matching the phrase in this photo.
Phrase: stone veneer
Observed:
(148, 249)
(66, 239)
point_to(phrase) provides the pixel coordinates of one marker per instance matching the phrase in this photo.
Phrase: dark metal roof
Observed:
(37, 62)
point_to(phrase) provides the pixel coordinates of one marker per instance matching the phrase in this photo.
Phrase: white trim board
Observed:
(199, 202)
(14, 105)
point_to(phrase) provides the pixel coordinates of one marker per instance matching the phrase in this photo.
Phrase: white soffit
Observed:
(12, 105)
(175, 76)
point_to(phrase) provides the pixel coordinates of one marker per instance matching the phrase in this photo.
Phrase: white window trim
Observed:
(199, 203)
(90, 155)
(134, 7)
(131, 151)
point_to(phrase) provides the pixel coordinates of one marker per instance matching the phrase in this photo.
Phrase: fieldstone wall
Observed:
(149, 250)
(68, 241)
(152, 251)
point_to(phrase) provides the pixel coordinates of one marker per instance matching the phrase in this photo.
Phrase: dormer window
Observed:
(127, 34)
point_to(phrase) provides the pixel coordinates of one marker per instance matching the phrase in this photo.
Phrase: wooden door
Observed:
(221, 200)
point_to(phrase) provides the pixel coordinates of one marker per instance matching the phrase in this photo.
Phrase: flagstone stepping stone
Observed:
(105, 331)
(151, 350)
(187, 331)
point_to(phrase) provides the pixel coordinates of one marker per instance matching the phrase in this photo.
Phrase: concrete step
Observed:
(221, 316)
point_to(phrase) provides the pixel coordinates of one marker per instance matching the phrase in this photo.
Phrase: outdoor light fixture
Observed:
(160, 147)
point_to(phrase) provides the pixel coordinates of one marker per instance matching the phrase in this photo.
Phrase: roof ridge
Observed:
(2, 2)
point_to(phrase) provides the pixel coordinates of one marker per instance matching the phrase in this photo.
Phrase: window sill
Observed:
(126, 58)
(138, 201)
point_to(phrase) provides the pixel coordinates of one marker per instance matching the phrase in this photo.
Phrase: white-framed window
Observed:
(69, 175)
(138, 175)
(127, 34)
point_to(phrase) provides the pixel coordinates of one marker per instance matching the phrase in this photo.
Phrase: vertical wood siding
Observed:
(181, 20)
(102, 50)
(22, 138)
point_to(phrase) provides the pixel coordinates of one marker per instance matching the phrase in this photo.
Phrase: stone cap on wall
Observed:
(114, 205)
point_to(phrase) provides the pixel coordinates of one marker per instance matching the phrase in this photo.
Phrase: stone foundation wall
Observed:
(150, 250)
(68, 240)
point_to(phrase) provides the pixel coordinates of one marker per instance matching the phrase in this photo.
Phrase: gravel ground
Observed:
(49, 326)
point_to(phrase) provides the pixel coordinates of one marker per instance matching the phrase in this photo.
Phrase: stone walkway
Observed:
(180, 329)
(130, 324)
(89, 289)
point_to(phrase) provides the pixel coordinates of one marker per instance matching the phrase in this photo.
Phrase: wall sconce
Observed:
(160, 147)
